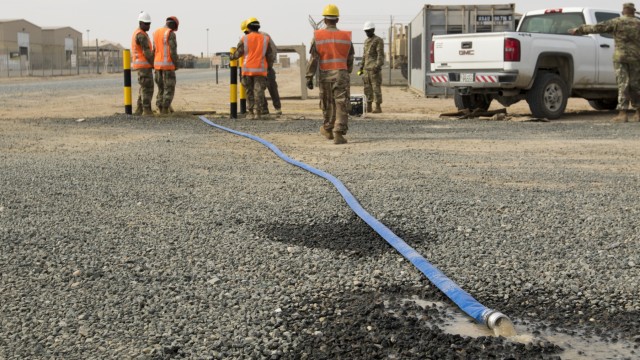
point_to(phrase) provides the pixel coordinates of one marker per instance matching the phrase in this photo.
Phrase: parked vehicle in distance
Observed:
(540, 63)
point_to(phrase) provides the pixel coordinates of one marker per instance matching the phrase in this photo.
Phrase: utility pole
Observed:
(87, 53)
(390, 46)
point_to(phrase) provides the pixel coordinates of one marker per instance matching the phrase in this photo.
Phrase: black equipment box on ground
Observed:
(357, 105)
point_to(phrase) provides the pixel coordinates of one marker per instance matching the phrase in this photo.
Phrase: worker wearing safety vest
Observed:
(272, 85)
(142, 54)
(165, 47)
(372, 61)
(257, 60)
(332, 51)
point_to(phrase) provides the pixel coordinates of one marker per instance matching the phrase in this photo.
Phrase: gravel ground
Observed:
(166, 238)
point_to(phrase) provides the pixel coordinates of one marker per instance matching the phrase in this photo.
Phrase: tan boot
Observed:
(369, 107)
(326, 133)
(146, 111)
(258, 115)
(338, 138)
(138, 111)
(621, 117)
(171, 109)
(636, 117)
(377, 110)
(164, 110)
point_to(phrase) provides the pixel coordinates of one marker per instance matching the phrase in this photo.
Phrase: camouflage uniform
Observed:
(626, 57)
(166, 79)
(255, 85)
(272, 85)
(372, 61)
(334, 87)
(145, 76)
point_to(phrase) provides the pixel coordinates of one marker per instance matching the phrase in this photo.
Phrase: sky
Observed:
(287, 21)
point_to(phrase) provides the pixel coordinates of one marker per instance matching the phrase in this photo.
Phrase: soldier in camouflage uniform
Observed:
(372, 61)
(332, 51)
(626, 57)
(272, 84)
(142, 51)
(252, 79)
(165, 63)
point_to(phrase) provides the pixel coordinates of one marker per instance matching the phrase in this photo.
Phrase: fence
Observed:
(61, 63)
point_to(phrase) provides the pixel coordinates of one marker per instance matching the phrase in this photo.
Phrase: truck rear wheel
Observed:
(548, 96)
(472, 102)
(604, 104)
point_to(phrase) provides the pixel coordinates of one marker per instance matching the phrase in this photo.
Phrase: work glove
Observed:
(310, 83)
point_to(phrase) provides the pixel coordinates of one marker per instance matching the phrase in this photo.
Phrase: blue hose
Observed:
(460, 297)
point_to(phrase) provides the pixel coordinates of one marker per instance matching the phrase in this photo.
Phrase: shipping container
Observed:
(450, 19)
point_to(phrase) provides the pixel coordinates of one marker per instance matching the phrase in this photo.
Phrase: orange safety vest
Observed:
(139, 60)
(333, 48)
(162, 60)
(255, 54)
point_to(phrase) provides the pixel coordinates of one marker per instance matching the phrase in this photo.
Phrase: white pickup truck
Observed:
(539, 62)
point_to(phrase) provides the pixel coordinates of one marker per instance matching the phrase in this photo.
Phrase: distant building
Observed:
(60, 47)
(20, 42)
(28, 49)
(103, 55)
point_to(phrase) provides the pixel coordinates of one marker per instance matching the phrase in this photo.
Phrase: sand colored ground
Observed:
(197, 91)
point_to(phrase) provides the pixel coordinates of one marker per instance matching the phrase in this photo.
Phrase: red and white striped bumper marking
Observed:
(486, 78)
(439, 79)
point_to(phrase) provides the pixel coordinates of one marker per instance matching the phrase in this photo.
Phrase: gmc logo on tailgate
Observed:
(467, 48)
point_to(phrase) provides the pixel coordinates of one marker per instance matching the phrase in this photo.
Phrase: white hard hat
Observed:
(144, 17)
(369, 25)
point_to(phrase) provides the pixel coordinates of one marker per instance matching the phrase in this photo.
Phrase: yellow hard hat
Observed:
(243, 26)
(331, 11)
(252, 20)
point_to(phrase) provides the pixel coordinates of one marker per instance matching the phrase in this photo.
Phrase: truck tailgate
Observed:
(464, 52)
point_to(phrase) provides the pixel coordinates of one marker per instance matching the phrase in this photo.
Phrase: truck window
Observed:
(554, 23)
(604, 16)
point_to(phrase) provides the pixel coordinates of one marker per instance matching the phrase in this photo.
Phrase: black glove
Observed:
(310, 84)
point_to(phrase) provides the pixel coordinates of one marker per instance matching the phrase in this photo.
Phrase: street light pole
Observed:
(87, 53)
(207, 42)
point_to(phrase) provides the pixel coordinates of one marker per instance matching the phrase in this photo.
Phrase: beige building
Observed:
(61, 46)
(28, 49)
(20, 42)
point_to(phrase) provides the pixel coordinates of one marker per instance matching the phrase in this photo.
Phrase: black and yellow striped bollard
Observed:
(243, 90)
(126, 64)
(233, 88)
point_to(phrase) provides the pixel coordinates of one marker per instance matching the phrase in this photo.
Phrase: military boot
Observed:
(146, 111)
(377, 110)
(338, 138)
(636, 117)
(326, 133)
(258, 115)
(171, 109)
(621, 117)
(138, 111)
(164, 110)
(369, 107)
